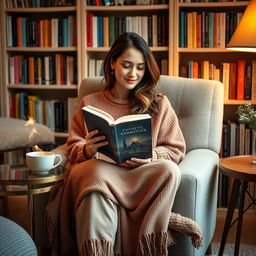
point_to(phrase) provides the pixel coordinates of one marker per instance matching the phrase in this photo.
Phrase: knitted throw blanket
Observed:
(144, 196)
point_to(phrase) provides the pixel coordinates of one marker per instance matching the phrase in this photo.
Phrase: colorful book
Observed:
(240, 79)
(128, 136)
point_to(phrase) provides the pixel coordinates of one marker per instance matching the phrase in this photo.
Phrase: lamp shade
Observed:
(244, 37)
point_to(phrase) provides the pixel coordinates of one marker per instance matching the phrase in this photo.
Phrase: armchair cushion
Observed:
(14, 134)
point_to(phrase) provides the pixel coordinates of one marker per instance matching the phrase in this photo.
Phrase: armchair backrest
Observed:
(198, 104)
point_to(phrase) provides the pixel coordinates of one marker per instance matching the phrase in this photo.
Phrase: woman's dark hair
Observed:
(143, 98)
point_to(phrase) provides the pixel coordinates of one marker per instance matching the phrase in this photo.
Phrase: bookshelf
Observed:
(186, 51)
(79, 9)
(129, 12)
(50, 38)
(171, 50)
(216, 55)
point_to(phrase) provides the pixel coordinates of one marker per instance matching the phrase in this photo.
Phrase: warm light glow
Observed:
(30, 121)
(37, 148)
(33, 131)
(244, 37)
(242, 49)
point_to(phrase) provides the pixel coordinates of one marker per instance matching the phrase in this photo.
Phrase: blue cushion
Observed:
(14, 240)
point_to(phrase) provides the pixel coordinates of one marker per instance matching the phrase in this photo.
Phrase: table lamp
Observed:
(244, 37)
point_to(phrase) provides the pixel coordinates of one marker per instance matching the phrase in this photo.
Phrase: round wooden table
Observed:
(243, 171)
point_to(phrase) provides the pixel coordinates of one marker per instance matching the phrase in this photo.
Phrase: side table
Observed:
(243, 171)
(32, 183)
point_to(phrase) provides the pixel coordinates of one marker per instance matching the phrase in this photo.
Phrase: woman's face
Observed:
(129, 69)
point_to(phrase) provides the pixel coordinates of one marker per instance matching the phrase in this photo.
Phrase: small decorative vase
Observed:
(254, 146)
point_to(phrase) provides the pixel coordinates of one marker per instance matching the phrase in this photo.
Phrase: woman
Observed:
(122, 209)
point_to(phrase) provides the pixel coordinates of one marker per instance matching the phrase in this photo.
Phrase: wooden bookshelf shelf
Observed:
(41, 49)
(106, 49)
(43, 86)
(127, 8)
(215, 4)
(41, 10)
(238, 102)
(203, 50)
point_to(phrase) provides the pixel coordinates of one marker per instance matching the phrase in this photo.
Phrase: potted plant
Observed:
(247, 115)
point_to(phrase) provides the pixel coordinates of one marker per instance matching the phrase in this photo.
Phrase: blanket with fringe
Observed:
(145, 197)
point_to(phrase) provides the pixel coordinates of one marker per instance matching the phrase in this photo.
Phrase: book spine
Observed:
(248, 81)
(240, 79)
(117, 156)
(182, 30)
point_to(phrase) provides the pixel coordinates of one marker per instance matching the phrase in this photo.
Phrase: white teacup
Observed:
(42, 161)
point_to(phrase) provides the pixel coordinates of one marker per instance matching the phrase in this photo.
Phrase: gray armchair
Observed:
(199, 106)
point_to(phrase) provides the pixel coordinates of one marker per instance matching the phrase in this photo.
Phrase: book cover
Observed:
(128, 136)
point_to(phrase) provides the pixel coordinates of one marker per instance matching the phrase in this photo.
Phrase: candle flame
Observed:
(30, 121)
(36, 148)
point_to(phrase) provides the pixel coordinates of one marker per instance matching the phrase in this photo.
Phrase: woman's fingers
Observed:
(95, 139)
(141, 161)
(135, 162)
(90, 134)
(93, 143)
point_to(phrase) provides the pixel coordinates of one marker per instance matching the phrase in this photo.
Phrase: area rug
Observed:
(245, 250)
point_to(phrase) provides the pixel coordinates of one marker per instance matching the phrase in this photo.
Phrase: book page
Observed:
(130, 118)
(100, 113)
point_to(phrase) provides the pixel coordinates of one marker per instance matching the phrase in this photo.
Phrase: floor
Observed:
(18, 206)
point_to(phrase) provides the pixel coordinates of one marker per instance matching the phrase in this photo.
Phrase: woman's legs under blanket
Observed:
(97, 218)
(132, 189)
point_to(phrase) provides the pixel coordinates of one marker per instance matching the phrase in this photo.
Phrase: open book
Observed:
(128, 136)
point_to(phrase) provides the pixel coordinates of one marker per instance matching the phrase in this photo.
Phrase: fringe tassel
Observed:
(97, 248)
(187, 226)
(197, 242)
(155, 244)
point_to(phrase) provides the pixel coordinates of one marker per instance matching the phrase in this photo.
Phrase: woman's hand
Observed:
(135, 162)
(93, 143)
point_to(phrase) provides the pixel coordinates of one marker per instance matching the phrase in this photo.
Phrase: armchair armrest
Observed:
(196, 197)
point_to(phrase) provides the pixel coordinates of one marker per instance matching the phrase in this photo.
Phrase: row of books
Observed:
(57, 69)
(125, 2)
(38, 3)
(239, 78)
(207, 29)
(29, 32)
(236, 140)
(102, 31)
(56, 114)
(95, 66)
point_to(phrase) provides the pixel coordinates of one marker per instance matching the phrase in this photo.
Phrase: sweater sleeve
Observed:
(76, 140)
(170, 143)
